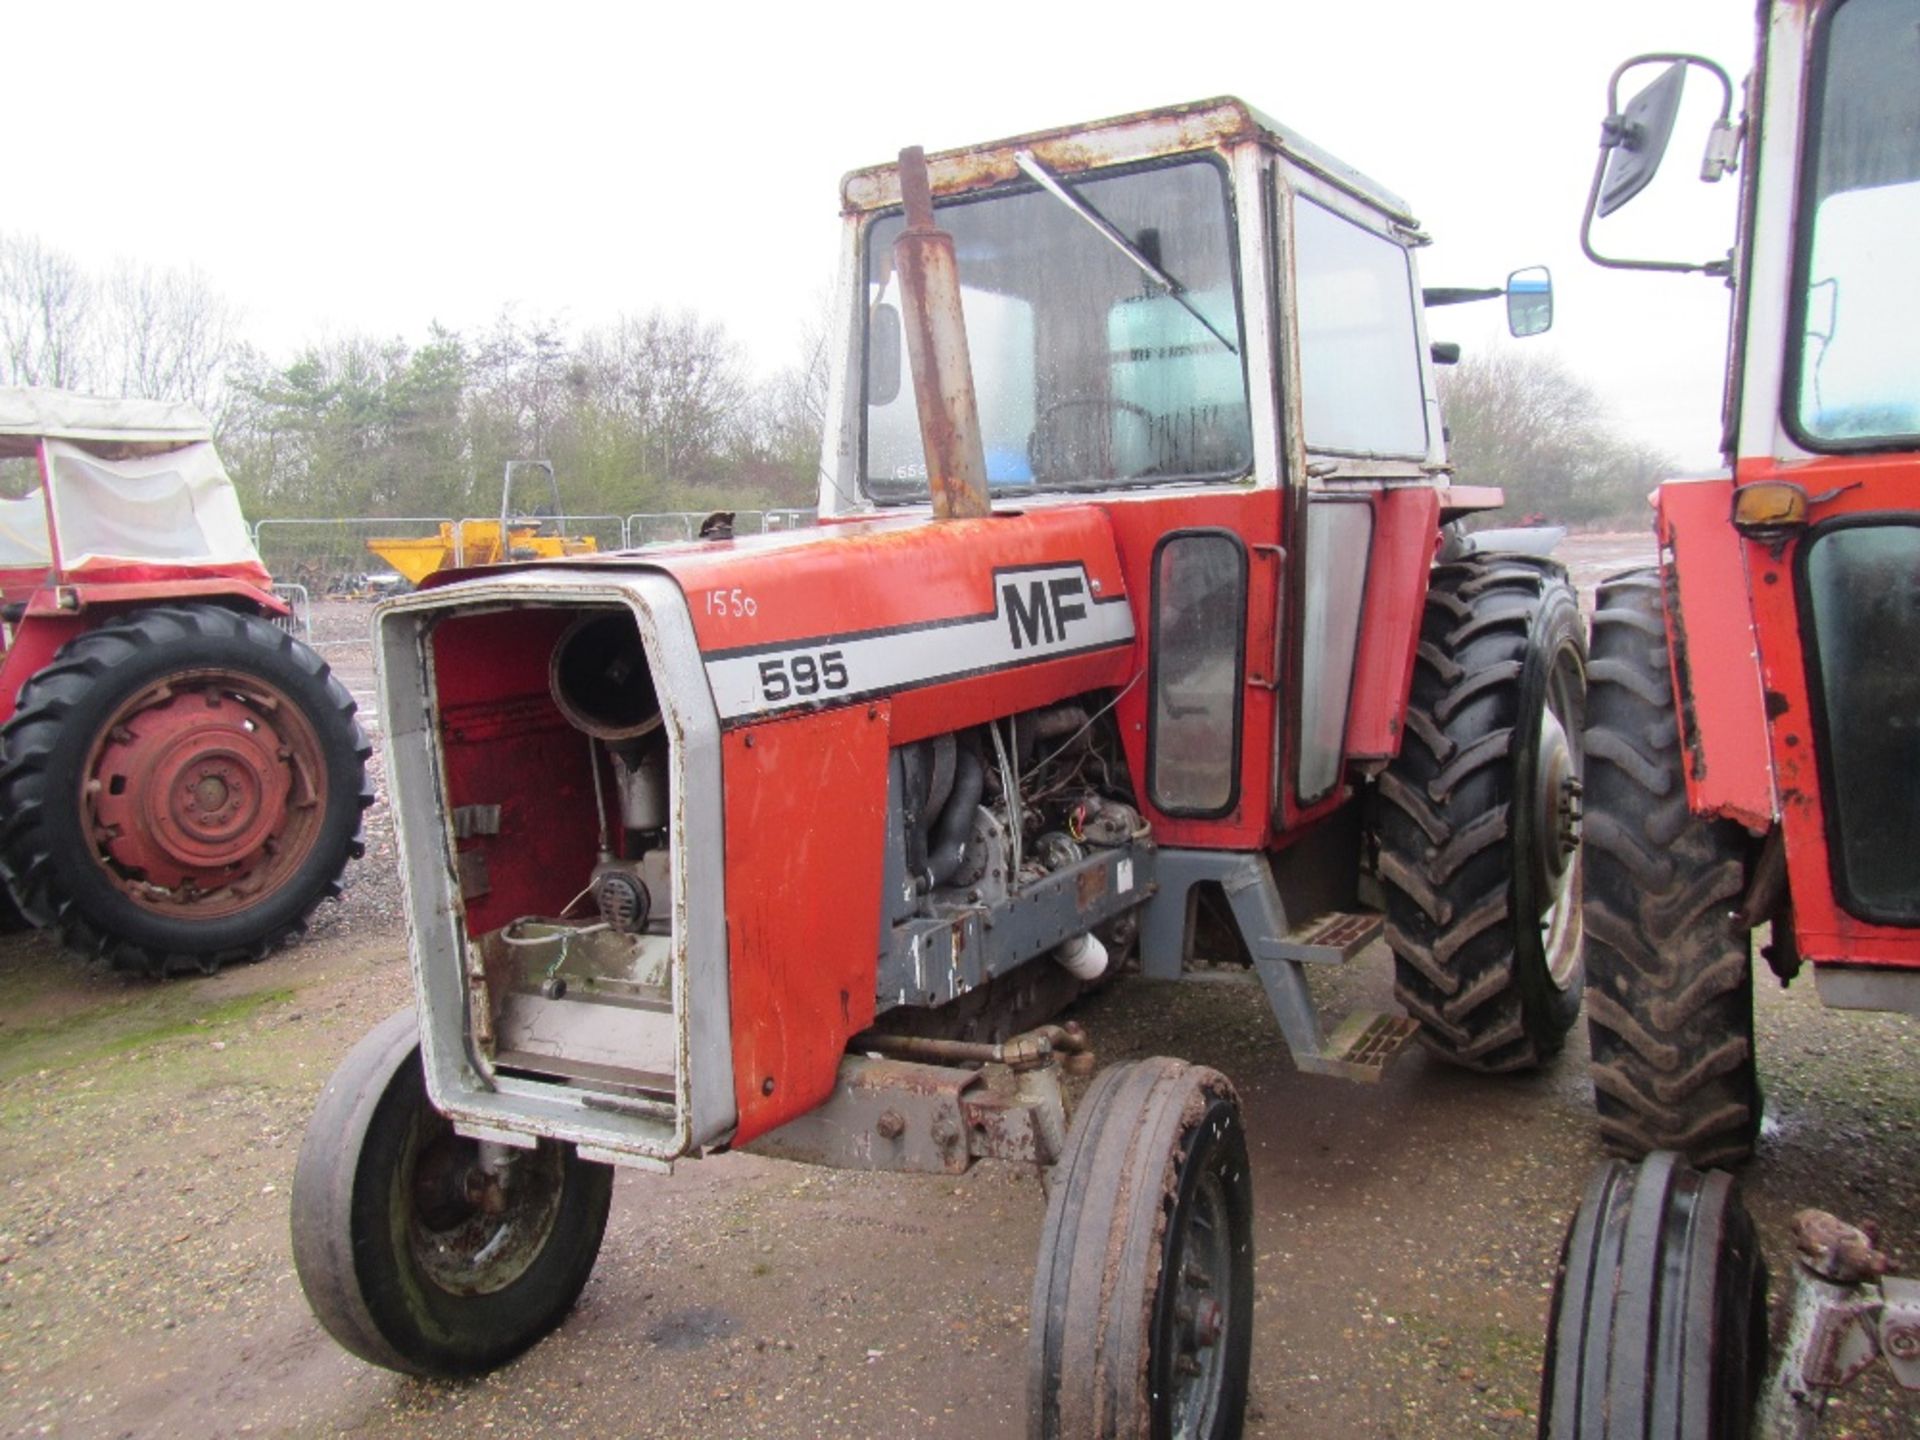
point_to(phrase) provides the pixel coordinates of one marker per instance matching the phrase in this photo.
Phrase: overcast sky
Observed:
(343, 167)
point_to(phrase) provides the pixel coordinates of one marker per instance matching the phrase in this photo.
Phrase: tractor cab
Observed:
(1764, 671)
(112, 493)
(1190, 296)
(181, 778)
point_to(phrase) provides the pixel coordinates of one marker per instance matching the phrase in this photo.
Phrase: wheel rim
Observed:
(1202, 1245)
(204, 792)
(1556, 823)
(469, 1231)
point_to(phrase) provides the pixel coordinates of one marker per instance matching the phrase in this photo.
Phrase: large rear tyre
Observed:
(1478, 820)
(1669, 986)
(1658, 1325)
(11, 920)
(1143, 1299)
(180, 788)
(413, 1256)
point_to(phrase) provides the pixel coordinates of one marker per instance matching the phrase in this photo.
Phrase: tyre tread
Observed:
(1670, 1004)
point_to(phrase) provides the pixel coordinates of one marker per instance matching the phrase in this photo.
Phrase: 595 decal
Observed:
(802, 675)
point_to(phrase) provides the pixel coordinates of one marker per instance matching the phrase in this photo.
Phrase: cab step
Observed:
(1361, 1045)
(1330, 939)
(1369, 1039)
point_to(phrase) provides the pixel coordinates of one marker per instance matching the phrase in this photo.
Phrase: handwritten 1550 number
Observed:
(735, 603)
(802, 675)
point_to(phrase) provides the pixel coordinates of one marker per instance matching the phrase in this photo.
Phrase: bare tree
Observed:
(677, 379)
(1525, 422)
(46, 315)
(169, 335)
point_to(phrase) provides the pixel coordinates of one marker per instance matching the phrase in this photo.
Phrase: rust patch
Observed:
(1683, 673)
(1091, 887)
(1777, 705)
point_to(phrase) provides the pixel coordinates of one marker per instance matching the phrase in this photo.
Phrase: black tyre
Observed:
(407, 1256)
(1658, 1325)
(11, 920)
(1143, 1300)
(1669, 985)
(1478, 816)
(180, 788)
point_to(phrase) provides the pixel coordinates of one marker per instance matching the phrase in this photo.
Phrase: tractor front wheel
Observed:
(1478, 817)
(417, 1251)
(180, 787)
(1143, 1300)
(1658, 1326)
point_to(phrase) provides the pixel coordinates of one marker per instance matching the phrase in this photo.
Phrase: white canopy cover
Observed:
(27, 415)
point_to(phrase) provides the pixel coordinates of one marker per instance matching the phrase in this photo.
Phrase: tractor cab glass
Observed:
(1089, 373)
(1858, 381)
(1359, 349)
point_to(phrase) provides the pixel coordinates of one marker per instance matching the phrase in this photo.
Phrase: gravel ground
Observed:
(1405, 1231)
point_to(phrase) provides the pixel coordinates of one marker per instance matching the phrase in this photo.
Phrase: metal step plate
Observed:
(1330, 939)
(1366, 1040)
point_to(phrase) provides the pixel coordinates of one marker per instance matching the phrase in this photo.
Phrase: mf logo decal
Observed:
(1039, 612)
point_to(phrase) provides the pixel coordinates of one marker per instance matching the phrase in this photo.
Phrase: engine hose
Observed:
(955, 826)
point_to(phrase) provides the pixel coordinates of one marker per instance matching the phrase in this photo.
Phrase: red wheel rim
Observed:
(204, 793)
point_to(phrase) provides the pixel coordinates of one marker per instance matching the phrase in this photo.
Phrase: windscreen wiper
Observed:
(1170, 286)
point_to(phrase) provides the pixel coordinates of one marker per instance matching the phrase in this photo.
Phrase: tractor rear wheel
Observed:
(1669, 987)
(1658, 1324)
(414, 1253)
(1478, 816)
(1143, 1298)
(180, 788)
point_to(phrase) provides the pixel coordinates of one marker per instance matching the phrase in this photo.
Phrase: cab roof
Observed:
(126, 425)
(1146, 135)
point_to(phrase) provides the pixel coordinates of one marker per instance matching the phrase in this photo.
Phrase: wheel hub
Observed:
(1557, 813)
(470, 1229)
(1557, 806)
(1199, 1312)
(203, 787)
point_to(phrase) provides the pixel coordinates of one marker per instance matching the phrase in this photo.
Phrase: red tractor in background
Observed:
(181, 780)
(1122, 631)
(1753, 742)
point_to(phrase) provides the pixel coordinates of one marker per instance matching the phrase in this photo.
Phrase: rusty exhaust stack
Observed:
(937, 350)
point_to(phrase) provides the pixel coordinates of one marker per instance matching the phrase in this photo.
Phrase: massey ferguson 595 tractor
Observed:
(181, 780)
(1123, 621)
(1753, 743)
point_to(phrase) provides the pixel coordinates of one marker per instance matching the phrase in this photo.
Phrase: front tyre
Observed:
(413, 1254)
(180, 788)
(1143, 1297)
(1478, 816)
(1658, 1324)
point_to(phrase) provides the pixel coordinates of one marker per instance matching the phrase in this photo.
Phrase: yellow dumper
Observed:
(461, 543)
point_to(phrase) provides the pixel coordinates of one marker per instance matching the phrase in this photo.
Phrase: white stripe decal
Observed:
(1038, 614)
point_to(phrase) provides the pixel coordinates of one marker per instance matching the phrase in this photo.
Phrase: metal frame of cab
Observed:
(1740, 654)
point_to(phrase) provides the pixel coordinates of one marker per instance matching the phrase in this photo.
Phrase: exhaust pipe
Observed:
(600, 678)
(937, 350)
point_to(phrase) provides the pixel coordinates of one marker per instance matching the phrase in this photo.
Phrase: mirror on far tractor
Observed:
(1643, 132)
(1530, 301)
(883, 355)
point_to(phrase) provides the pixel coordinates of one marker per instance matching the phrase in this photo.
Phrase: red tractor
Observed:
(1122, 630)
(181, 780)
(1753, 739)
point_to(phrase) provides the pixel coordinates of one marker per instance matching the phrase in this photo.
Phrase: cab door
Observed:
(1363, 420)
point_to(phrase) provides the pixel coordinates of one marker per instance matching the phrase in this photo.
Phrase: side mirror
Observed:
(1633, 140)
(1638, 138)
(1530, 301)
(883, 355)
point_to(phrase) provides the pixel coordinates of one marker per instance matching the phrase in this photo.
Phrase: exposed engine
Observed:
(999, 807)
